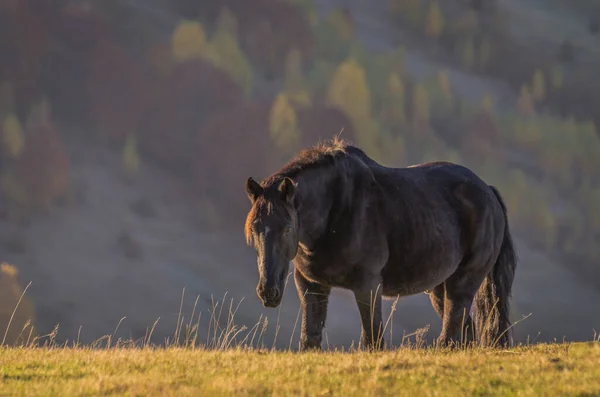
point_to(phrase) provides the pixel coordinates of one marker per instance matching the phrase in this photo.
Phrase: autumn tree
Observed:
(224, 51)
(283, 125)
(378, 69)
(17, 312)
(435, 21)
(348, 90)
(41, 173)
(188, 41)
(131, 157)
(394, 102)
(13, 139)
(295, 83)
(525, 102)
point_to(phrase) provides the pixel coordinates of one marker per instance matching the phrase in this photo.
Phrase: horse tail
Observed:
(492, 299)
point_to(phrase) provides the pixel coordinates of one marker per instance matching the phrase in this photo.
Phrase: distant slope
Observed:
(81, 277)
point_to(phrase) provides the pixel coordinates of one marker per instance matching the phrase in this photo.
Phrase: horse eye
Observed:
(288, 230)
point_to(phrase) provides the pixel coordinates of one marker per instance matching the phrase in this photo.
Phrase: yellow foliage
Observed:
(10, 293)
(131, 158)
(539, 86)
(529, 133)
(435, 20)
(349, 92)
(224, 51)
(12, 135)
(8, 269)
(396, 86)
(295, 86)
(188, 41)
(525, 101)
(283, 127)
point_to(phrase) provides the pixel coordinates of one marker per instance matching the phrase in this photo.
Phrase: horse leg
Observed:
(314, 299)
(460, 290)
(437, 300)
(437, 297)
(369, 304)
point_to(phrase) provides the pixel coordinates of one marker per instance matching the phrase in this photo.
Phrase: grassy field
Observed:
(542, 370)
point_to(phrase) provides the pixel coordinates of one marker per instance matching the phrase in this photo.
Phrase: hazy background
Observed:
(129, 127)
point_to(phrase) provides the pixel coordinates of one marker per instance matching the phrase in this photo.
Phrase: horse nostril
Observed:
(275, 294)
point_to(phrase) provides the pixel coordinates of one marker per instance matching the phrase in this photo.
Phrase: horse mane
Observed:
(322, 154)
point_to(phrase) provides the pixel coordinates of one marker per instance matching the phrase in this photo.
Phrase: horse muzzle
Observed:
(270, 297)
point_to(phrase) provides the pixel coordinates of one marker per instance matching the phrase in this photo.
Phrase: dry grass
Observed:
(560, 369)
(236, 360)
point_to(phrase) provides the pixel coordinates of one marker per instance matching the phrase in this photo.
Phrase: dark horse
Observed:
(347, 221)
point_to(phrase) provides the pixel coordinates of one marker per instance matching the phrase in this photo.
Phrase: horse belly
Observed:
(403, 279)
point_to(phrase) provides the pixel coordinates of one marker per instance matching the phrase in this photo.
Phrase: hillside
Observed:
(569, 369)
(155, 112)
(92, 283)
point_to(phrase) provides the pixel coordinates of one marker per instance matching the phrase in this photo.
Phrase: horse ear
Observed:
(253, 189)
(287, 188)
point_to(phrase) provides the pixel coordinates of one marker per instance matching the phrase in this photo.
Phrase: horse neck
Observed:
(316, 198)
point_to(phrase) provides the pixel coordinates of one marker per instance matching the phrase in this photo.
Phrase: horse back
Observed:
(433, 208)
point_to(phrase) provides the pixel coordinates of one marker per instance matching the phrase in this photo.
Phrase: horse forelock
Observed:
(262, 208)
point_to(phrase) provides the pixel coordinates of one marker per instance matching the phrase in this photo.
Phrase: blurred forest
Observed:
(223, 89)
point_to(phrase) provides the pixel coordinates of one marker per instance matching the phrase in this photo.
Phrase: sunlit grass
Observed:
(236, 361)
(557, 369)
